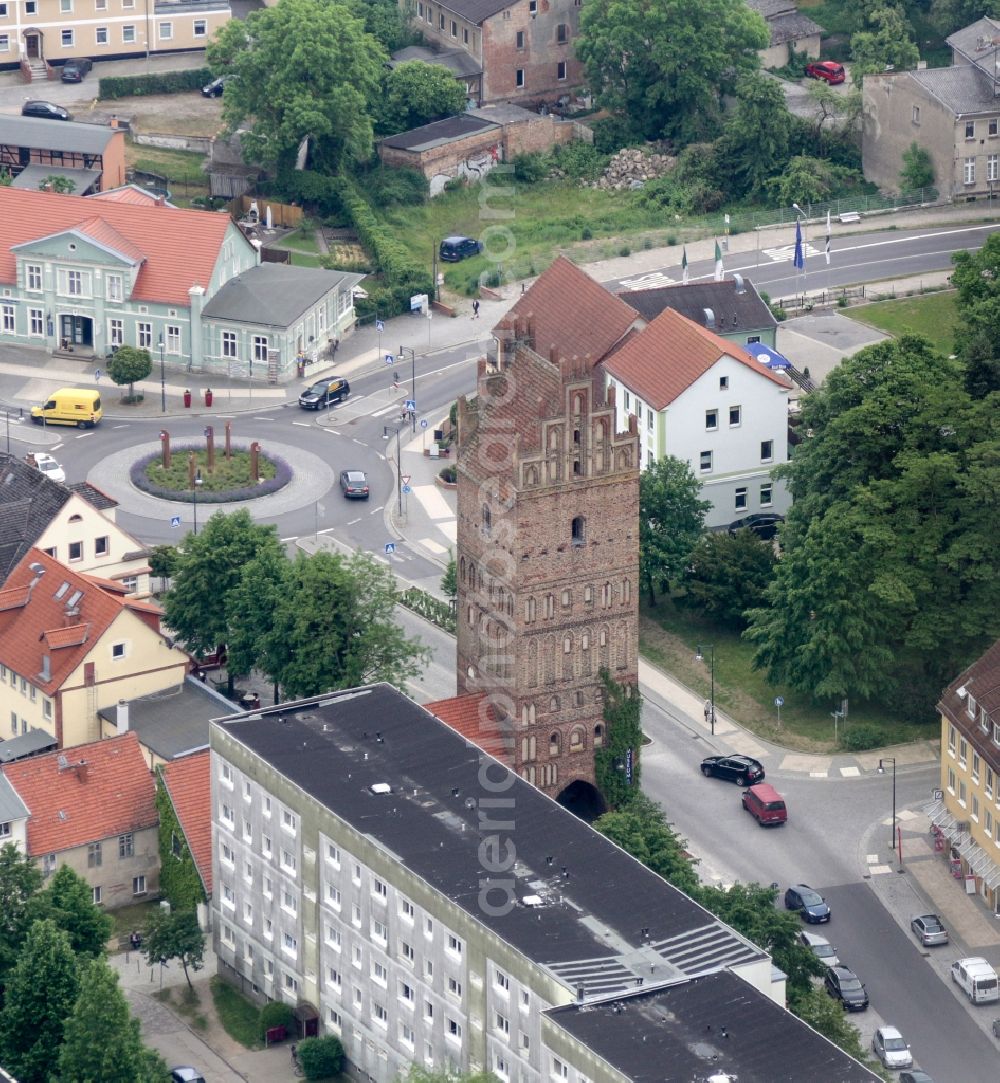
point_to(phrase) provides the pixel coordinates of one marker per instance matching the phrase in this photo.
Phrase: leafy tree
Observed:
(68, 901)
(727, 575)
(39, 996)
(128, 364)
(886, 42)
(175, 935)
(101, 1040)
(666, 65)
(977, 337)
(449, 581)
(321, 1058)
(256, 641)
(756, 140)
(951, 15)
(808, 180)
(918, 167)
(55, 183)
(387, 22)
(621, 710)
(20, 879)
(303, 70)
(640, 827)
(163, 560)
(824, 1014)
(417, 93)
(210, 566)
(671, 518)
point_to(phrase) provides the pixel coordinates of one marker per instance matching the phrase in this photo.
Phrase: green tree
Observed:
(175, 935)
(128, 364)
(56, 183)
(208, 569)
(387, 22)
(756, 141)
(101, 1041)
(885, 42)
(417, 93)
(39, 996)
(256, 640)
(68, 900)
(807, 180)
(640, 828)
(303, 71)
(727, 575)
(824, 1014)
(449, 581)
(163, 560)
(918, 168)
(321, 1058)
(666, 65)
(671, 519)
(977, 335)
(20, 879)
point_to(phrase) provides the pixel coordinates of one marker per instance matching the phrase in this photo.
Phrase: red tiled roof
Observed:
(465, 715)
(88, 793)
(670, 354)
(189, 786)
(13, 598)
(569, 311)
(106, 234)
(181, 247)
(129, 193)
(39, 626)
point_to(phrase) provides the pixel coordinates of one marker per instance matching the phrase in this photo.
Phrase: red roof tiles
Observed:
(670, 354)
(88, 793)
(569, 312)
(180, 247)
(189, 786)
(473, 717)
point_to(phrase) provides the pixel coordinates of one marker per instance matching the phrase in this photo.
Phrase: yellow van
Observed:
(79, 406)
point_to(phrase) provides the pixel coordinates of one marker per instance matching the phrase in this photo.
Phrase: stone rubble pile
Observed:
(631, 167)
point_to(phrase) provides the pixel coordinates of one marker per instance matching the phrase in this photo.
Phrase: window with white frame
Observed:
(454, 944)
(265, 845)
(116, 332)
(742, 497)
(356, 956)
(501, 1024)
(380, 1015)
(165, 31)
(173, 339)
(559, 1069)
(268, 929)
(128, 34)
(248, 913)
(333, 937)
(100, 35)
(333, 978)
(969, 171)
(407, 910)
(963, 751)
(766, 494)
(9, 318)
(766, 451)
(379, 890)
(228, 936)
(406, 993)
(288, 861)
(289, 902)
(228, 816)
(260, 345)
(380, 931)
(356, 915)
(406, 951)
(333, 855)
(993, 167)
(333, 896)
(36, 322)
(200, 28)
(406, 1035)
(711, 420)
(138, 885)
(226, 854)
(501, 981)
(289, 945)
(455, 988)
(95, 896)
(705, 462)
(229, 345)
(228, 897)
(66, 38)
(453, 1030)
(735, 416)
(288, 821)
(144, 335)
(290, 983)
(33, 277)
(380, 974)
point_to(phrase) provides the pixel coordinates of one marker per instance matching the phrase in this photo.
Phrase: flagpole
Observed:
(800, 249)
(828, 250)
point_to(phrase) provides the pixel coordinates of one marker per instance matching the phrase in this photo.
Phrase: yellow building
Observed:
(39, 33)
(966, 815)
(72, 643)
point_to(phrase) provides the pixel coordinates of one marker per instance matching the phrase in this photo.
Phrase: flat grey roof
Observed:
(275, 294)
(457, 61)
(64, 135)
(590, 913)
(11, 806)
(440, 132)
(28, 744)
(32, 177)
(503, 113)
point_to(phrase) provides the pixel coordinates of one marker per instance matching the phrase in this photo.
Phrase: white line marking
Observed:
(379, 413)
(85, 435)
(55, 447)
(327, 530)
(265, 419)
(375, 511)
(353, 521)
(287, 540)
(303, 424)
(332, 432)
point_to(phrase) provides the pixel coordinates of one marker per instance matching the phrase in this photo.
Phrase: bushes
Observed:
(579, 160)
(396, 187)
(276, 1014)
(429, 607)
(167, 82)
(861, 737)
(321, 1057)
(529, 168)
(141, 480)
(448, 474)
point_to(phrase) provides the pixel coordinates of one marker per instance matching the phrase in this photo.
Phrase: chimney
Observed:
(114, 122)
(161, 201)
(121, 717)
(81, 768)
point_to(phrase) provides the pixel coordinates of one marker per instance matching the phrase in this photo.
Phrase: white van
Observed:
(977, 979)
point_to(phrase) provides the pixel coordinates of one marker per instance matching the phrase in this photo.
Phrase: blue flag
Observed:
(800, 260)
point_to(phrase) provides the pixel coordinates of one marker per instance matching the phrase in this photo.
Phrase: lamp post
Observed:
(194, 499)
(163, 380)
(880, 770)
(403, 350)
(700, 657)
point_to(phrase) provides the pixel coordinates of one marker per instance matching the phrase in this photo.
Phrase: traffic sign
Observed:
(407, 489)
(423, 422)
(779, 701)
(410, 404)
(175, 520)
(389, 359)
(405, 478)
(390, 548)
(379, 326)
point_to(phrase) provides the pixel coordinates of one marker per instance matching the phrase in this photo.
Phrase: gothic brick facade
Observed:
(548, 552)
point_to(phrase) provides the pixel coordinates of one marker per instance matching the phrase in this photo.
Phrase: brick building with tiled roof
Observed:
(71, 644)
(93, 808)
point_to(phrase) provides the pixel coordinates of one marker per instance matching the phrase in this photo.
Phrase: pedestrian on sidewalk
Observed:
(475, 310)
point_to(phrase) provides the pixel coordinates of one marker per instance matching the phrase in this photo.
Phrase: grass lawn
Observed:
(182, 168)
(228, 474)
(669, 637)
(302, 240)
(239, 1016)
(129, 918)
(932, 315)
(304, 259)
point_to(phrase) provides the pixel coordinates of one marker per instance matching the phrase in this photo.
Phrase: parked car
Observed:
(916, 1076)
(354, 484)
(458, 248)
(765, 804)
(215, 88)
(45, 111)
(186, 1075)
(73, 71)
(844, 985)
(827, 70)
(324, 393)
(929, 930)
(889, 1047)
(820, 947)
(740, 769)
(977, 979)
(48, 466)
(810, 904)
(763, 524)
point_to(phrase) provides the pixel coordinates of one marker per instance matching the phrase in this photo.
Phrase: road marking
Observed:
(285, 541)
(264, 419)
(85, 435)
(647, 281)
(55, 447)
(353, 521)
(388, 409)
(786, 252)
(375, 511)
(326, 530)
(360, 443)
(303, 424)
(333, 432)
(850, 772)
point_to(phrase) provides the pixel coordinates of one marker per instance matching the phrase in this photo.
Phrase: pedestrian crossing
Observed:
(786, 253)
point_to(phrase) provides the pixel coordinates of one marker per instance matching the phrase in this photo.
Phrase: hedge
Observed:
(167, 82)
(142, 481)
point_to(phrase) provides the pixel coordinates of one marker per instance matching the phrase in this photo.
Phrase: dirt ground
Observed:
(159, 114)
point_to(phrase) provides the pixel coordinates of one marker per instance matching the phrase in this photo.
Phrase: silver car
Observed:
(891, 1050)
(820, 947)
(929, 930)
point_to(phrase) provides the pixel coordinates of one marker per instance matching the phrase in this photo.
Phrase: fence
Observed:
(283, 215)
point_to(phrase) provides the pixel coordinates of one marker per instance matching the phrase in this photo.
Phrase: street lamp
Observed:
(163, 380)
(413, 381)
(700, 657)
(194, 499)
(880, 770)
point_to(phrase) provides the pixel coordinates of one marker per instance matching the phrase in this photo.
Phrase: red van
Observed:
(827, 70)
(765, 804)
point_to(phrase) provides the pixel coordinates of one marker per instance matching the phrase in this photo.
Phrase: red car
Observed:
(828, 70)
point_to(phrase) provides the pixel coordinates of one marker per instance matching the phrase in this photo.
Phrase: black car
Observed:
(810, 904)
(45, 111)
(844, 985)
(73, 71)
(763, 524)
(739, 769)
(324, 393)
(354, 484)
(915, 1076)
(458, 248)
(215, 88)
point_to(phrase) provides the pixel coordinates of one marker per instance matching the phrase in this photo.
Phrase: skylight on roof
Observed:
(62, 590)
(74, 598)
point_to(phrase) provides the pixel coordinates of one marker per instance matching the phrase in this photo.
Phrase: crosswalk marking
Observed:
(786, 252)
